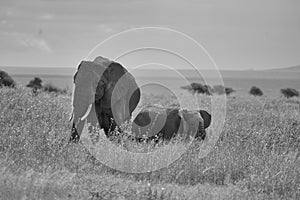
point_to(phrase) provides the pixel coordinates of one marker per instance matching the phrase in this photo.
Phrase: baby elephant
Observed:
(153, 123)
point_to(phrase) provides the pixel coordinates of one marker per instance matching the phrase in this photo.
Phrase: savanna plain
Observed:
(256, 155)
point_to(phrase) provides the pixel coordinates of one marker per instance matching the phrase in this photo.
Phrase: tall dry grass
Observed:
(256, 156)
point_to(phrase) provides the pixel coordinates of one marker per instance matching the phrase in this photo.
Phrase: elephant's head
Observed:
(196, 122)
(206, 118)
(103, 91)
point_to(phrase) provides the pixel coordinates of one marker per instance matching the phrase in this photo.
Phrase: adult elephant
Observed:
(155, 123)
(104, 93)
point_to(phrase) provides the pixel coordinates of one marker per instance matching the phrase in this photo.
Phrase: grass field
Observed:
(256, 156)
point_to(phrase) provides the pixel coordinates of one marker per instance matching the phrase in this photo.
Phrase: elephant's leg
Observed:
(172, 124)
(76, 131)
(74, 135)
(113, 126)
(108, 124)
(201, 134)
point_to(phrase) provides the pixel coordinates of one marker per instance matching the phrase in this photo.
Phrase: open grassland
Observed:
(256, 156)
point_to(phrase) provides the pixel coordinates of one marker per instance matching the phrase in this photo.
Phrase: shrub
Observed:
(220, 89)
(255, 91)
(289, 92)
(228, 91)
(6, 80)
(208, 90)
(36, 83)
(51, 88)
(198, 88)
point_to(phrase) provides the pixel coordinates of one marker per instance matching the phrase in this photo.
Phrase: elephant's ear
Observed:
(125, 92)
(206, 117)
(86, 80)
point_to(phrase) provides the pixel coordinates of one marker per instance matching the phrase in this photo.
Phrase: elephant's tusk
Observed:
(87, 112)
(71, 117)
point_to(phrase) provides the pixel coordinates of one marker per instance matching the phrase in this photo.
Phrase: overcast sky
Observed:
(252, 34)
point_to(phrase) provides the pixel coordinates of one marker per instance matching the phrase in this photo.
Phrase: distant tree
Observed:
(198, 88)
(228, 90)
(6, 80)
(289, 92)
(255, 91)
(35, 84)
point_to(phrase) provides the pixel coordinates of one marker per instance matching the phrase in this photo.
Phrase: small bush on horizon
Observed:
(208, 90)
(255, 91)
(51, 88)
(228, 90)
(289, 92)
(220, 89)
(198, 88)
(36, 84)
(6, 80)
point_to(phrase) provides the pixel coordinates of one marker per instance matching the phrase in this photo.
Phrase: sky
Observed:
(238, 34)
